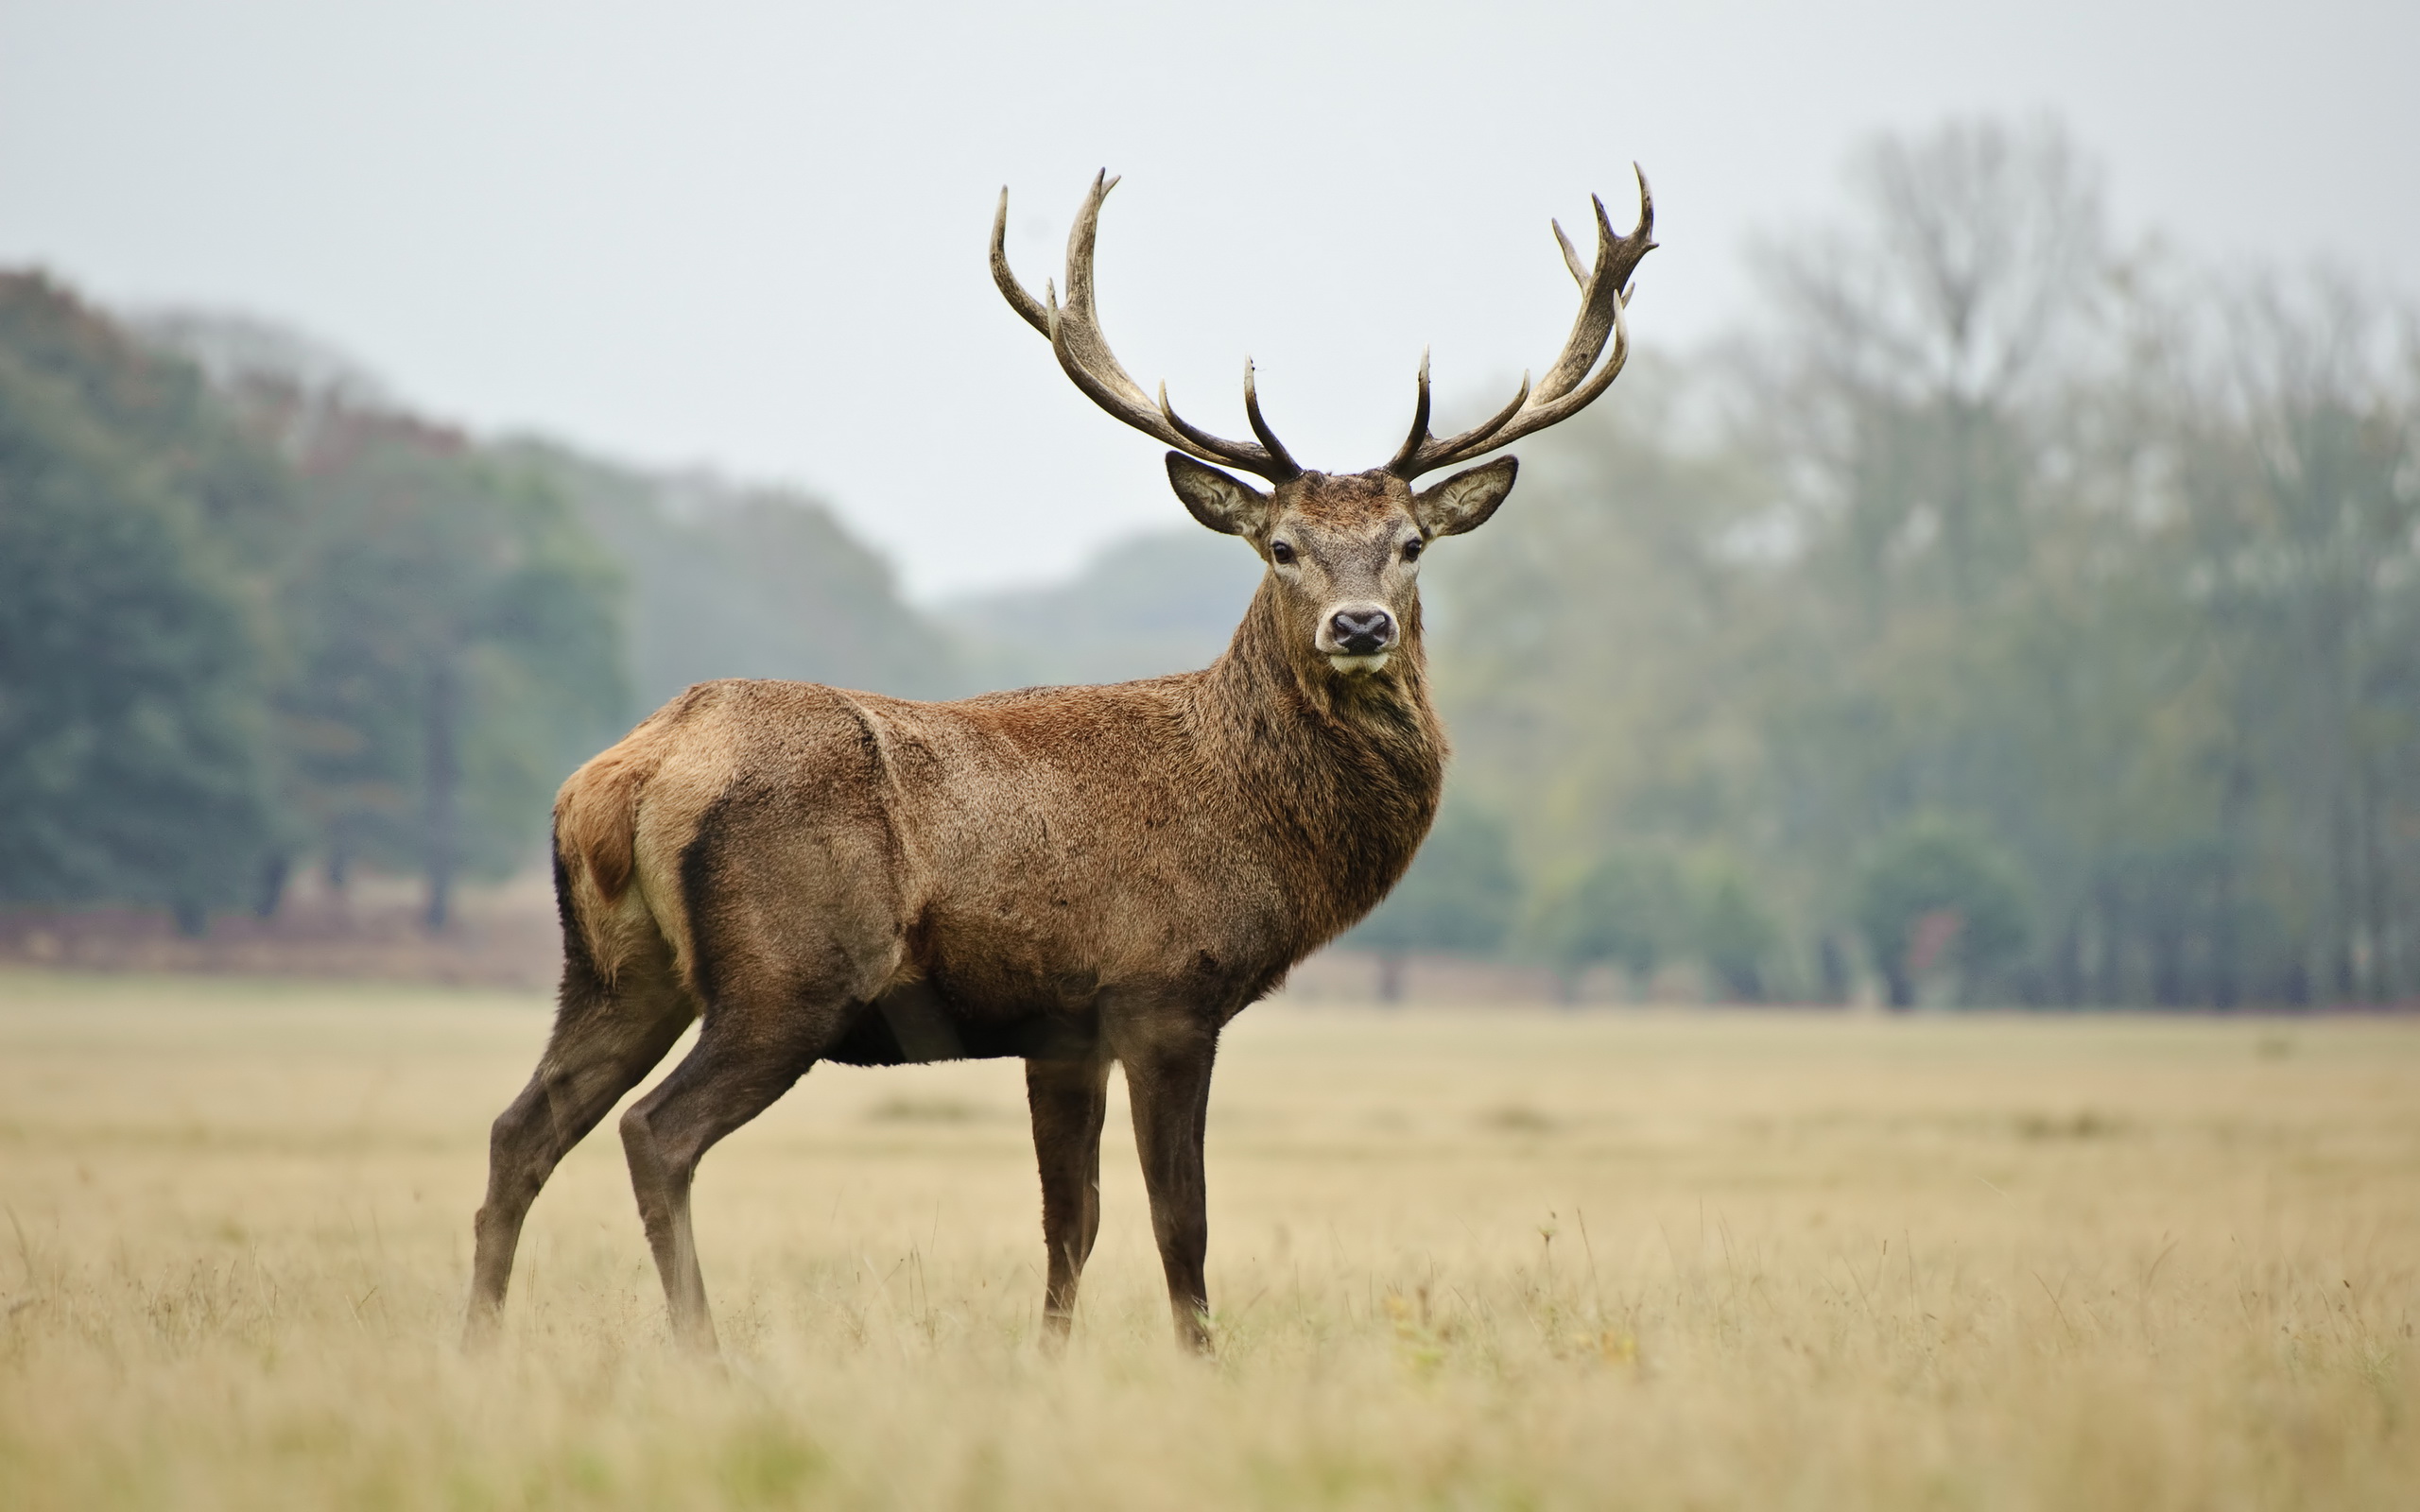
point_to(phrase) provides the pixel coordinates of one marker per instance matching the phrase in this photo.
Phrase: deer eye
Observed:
(1280, 553)
(1411, 549)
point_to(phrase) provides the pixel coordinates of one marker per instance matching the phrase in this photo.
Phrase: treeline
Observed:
(254, 615)
(2006, 615)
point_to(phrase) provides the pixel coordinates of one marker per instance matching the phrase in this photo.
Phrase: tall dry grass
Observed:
(1474, 1259)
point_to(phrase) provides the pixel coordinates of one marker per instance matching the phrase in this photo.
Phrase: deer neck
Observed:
(1343, 773)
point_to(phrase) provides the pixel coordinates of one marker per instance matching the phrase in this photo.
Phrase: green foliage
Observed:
(458, 649)
(1735, 936)
(1631, 908)
(133, 759)
(1931, 878)
(1640, 908)
(157, 411)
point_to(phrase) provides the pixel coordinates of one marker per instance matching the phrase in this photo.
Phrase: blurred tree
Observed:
(460, 647)
(1143, 607)
(1631, 908)
(1734, 935)
(1913, 341)
(1935, 896)
(2297, 452)
(1458, 898)
(134, 765)
(1914, 391)
(732, 582)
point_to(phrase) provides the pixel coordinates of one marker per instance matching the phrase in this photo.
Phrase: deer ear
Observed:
(1227, 505)
(1464, 501)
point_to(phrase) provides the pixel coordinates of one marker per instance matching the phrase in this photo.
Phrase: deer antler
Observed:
(1561, 394)
(1076, 336)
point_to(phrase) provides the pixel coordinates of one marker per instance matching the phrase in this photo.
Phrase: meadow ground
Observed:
(1462, 1259)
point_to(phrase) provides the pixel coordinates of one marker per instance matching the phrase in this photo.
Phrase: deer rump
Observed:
(925, 874)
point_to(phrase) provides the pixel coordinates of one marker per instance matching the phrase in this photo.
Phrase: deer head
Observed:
(1343, 549)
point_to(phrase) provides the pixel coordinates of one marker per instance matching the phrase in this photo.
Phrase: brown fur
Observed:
(1074, 875)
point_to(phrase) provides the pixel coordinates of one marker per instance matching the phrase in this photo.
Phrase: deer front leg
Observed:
(1068, 1099)
(1168, 1080)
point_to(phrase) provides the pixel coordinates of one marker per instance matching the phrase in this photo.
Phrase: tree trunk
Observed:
(2066, 965)
(1834, 966)
(1391, 975)
(2378, 985)
(275, 872)
(2226, 946)
(2168, 967)
(443, 791)
(2110, 985)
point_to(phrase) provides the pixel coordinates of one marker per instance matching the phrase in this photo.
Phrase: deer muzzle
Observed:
(1358, 637)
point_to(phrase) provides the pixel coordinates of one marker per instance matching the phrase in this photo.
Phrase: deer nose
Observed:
(1362, 632)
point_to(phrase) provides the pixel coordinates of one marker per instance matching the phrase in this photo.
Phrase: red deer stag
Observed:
(1075, 876)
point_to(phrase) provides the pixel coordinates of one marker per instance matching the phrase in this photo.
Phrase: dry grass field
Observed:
(1462, 1260)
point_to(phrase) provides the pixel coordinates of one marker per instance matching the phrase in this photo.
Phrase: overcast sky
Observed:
(752, 235)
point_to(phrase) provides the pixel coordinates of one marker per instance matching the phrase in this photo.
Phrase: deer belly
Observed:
(913, 1025)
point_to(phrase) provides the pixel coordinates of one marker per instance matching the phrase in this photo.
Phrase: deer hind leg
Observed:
(751, 1047)
(793, 928)
(1068, 1099)
(605, 1038)
(1168, 1059)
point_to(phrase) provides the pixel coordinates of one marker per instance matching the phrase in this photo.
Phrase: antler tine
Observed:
(1027, 306)
(1082, 350)
(1595, 321)
(1566, 387)
(1077, 332)
(1412, 443)
(1570, 253)
(1436, 453)
(1192, 438)
(1420, 448)
(1251, 416)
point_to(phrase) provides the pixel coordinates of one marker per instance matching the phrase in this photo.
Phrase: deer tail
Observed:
(597, 822)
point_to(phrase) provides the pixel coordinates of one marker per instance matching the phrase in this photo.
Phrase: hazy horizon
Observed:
(752, 240)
